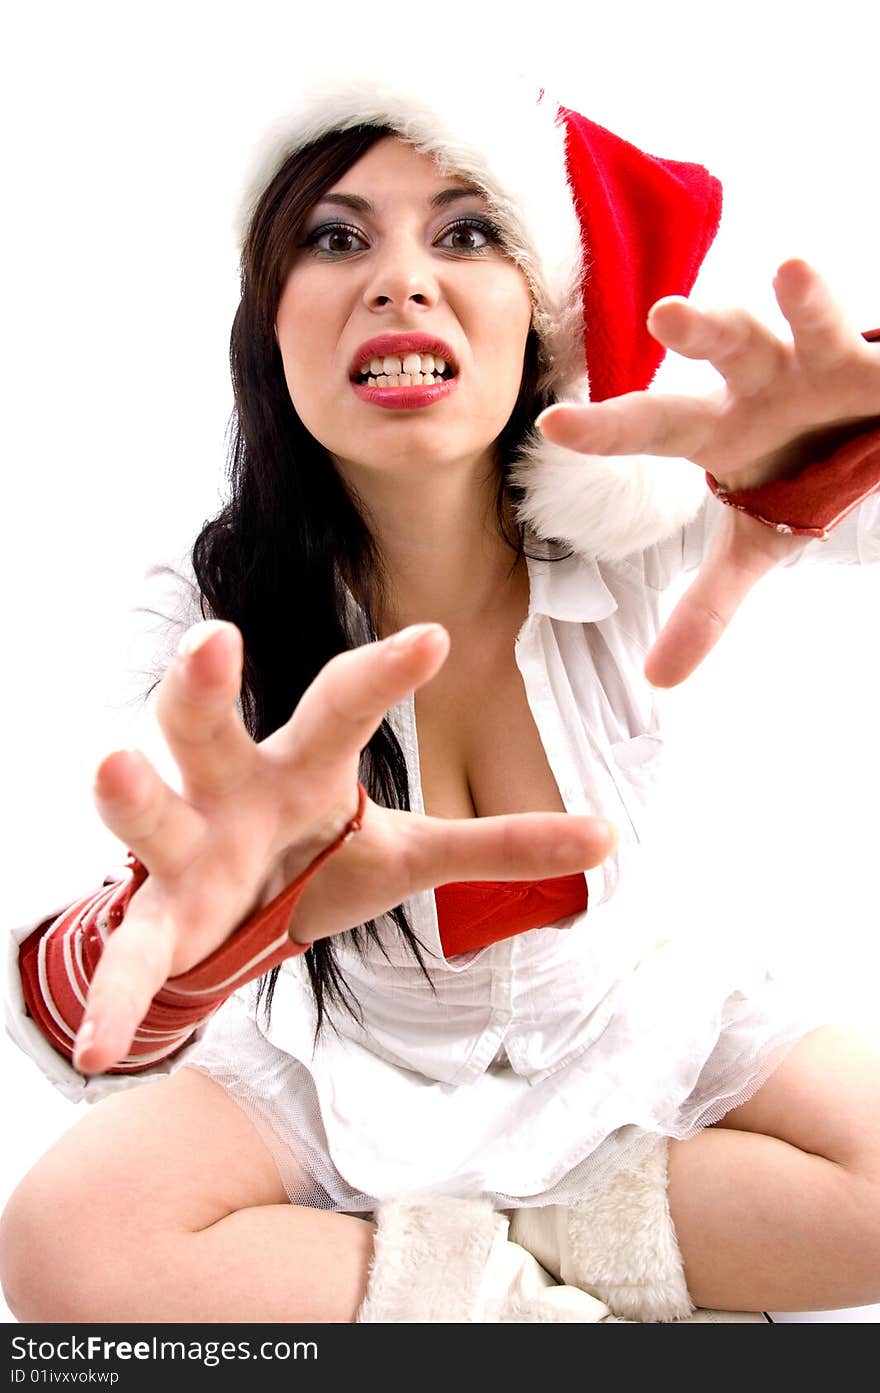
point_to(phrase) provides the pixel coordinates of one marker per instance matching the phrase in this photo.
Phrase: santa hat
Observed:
(600, 230)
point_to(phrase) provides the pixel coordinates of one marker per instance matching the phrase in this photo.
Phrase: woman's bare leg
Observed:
(778, 1206)
(164, 1204)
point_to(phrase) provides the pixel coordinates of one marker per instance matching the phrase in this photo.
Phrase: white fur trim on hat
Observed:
(605, 507)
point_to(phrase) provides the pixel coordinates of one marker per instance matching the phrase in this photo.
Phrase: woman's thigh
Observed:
(824, 1098)
(165, 1204)
(159, 1159)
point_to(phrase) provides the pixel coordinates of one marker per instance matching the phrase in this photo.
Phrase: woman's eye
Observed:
(471, 235)
(334, 238)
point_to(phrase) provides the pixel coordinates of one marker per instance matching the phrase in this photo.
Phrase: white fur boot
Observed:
(443, 1260)
(620, 1246)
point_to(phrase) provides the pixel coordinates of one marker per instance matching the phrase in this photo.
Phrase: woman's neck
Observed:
(445, 559)
(459, 577)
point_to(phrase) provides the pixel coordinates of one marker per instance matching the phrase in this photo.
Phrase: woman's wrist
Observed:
(824, 475)
(820, 496)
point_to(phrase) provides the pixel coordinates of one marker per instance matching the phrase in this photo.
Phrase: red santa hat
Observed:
(600, 229)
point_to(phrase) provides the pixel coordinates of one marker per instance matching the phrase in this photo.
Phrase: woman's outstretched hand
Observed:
(783, 406)
(251, 817)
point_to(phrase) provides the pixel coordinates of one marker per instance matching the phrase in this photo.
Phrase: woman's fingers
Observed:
(146, 815)
(520, 846)
(743, 551)
(348, 700)
(135, 964)
(823, 338)
(692, 630)
(197, 712)
(777, 392)
(638, 423)
(739, 347)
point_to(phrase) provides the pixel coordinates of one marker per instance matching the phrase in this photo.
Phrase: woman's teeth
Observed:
(412, 370)
(402, 379)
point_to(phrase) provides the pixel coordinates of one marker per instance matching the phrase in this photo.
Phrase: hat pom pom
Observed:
(604, 507)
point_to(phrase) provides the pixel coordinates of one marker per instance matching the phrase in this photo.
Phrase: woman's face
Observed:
(396, 248)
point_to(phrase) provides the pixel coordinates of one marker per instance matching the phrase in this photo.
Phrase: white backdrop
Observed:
(127, 128)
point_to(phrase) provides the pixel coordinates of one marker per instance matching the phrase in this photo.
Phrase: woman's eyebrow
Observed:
(439, 200)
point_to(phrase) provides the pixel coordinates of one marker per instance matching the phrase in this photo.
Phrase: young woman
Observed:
(384, 1000)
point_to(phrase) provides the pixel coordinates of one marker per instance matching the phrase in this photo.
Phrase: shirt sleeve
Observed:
(53, 963)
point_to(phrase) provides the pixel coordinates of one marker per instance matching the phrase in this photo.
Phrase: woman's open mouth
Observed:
(402, 383)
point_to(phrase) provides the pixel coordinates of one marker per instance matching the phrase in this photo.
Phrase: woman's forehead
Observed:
(393, 166)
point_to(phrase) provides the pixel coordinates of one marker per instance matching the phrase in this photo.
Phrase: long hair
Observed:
(269, 561)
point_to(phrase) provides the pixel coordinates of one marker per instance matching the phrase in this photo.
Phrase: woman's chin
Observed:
(413, 453)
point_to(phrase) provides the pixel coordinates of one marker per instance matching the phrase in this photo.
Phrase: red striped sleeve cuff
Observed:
(58, 960)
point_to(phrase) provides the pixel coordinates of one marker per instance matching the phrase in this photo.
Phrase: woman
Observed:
(535, 1048)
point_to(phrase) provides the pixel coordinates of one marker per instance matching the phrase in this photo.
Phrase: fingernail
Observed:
(198, 636)
(85, 1038)
(106, 771)
(407, 637)
(612, 831)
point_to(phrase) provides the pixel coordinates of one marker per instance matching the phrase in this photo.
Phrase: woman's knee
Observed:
(48, 1259)
(144, 1168)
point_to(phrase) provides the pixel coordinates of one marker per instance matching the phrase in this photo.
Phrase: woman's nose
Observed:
(400, 276)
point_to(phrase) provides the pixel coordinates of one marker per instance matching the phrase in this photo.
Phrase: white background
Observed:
(127, 130)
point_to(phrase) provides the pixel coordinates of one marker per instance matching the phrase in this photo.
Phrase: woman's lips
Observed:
(405, 398)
